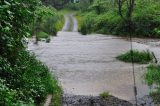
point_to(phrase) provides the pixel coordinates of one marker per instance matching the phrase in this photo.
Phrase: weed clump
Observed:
(104, 95)
(142, 57)
(152, 77)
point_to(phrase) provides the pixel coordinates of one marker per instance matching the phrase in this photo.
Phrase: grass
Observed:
(70, 24)
(153, 74)
(104, 95)
(141, 57)
(79, 19)
(57, 94)
(43, 35)
(152, 77)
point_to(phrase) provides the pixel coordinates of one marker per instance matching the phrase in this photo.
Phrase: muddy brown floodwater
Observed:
(86, 65)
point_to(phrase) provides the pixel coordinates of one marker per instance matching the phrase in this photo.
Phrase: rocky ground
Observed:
(72, 100)
(77, 100)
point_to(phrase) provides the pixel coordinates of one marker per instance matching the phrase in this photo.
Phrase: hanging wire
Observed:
(133, 69)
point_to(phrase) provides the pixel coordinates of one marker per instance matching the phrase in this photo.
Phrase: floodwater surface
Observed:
(86, 65)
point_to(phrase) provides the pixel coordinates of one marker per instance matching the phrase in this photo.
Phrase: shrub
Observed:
(42, 35)
(157, 31)
(24, 81)
(29, 78)
(87, 24)
(8, 95)
(15, 19)
(137, 57)
(108, 21)
(47, 20)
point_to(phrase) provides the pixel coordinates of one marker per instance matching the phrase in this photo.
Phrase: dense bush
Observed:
(81, 5)
(58, 4)
(24, 81)
(87, 24)
(8, 96)
(15, 19)
(47, 21)
(106, 20)
(148, 20)
(28, 80)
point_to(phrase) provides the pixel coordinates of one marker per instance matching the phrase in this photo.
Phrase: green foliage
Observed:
(15, 18)
(137, 57)
(106, 19)
(148, 20)
(87, 24)
(99, 6)
(47, 20)
(152, 78)
(42, 35)
(29, 79)
(157, 31)
(104, 95)
(152, 75)
(24, 81)
(72, 6)
(82, 5)
(58, 4)
(8, 96)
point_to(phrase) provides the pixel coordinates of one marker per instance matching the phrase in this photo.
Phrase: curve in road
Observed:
(70, 22)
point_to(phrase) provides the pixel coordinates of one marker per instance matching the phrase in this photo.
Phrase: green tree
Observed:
(128, 8)
(58, 4)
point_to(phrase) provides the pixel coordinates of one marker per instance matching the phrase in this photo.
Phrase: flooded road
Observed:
(86, 65)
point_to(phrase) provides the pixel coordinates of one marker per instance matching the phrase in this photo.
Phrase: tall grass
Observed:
(142, 57)
(152, 77)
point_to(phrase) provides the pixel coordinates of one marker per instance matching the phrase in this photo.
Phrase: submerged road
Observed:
(86, 65)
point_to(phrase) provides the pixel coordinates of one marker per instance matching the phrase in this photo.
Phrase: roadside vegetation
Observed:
(28, 82)
(104, 95)
(47, 22)
(24, 80)
(152, 79)
(108, 17)
(142, 57)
